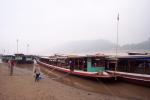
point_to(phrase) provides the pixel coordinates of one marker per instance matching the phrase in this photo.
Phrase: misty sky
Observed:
(46, 23)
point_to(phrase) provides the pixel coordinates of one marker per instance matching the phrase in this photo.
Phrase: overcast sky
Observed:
(46, 23)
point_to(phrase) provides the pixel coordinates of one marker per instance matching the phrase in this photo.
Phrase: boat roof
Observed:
(135, 57)
(29, 55)
(137, 53)
(45, 57)
(76, 56)
(7, 55)
(97, 55)
(19, 54)
(73, 56)
(111, 56)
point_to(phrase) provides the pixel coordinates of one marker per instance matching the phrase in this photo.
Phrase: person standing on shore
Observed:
(11, 66)
(37, 72)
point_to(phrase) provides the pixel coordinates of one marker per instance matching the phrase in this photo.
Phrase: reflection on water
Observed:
(116, 89)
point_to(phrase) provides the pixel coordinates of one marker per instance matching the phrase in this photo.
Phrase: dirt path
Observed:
(21, 86)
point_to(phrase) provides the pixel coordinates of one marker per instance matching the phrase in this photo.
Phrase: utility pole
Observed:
(4, 51)
(27, 48)
(17, 45)
(117, 46)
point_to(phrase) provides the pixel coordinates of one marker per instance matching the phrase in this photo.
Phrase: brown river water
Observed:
(114, 88)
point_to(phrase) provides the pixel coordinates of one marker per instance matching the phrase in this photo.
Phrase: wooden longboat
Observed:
(84, 67)
(6, 58)
(24, 59)
(131, 68)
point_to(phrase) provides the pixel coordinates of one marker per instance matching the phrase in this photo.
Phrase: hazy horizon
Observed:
(44, 24)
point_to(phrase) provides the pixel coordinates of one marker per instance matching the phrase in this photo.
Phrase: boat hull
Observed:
(138, 79)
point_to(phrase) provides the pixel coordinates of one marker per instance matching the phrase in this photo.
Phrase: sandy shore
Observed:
(21, 86)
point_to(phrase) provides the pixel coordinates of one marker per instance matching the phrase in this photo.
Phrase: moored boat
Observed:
(131, 68)
(24, 59)
(89, 66)
(6, 58)
(140, 79)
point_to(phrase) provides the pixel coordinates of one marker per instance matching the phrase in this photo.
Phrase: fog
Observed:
(44, 24)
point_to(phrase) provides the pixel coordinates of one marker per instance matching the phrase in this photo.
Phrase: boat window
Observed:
(18, 58)
(98, 62)
(61, 62)
(78, 63)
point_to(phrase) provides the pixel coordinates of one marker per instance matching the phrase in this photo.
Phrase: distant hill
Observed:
(85, 46)
(145, 45)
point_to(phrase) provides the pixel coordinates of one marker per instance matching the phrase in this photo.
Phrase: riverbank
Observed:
(21, 86)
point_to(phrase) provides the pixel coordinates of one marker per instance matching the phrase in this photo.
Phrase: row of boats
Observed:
(131, 67)
(19, 58)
